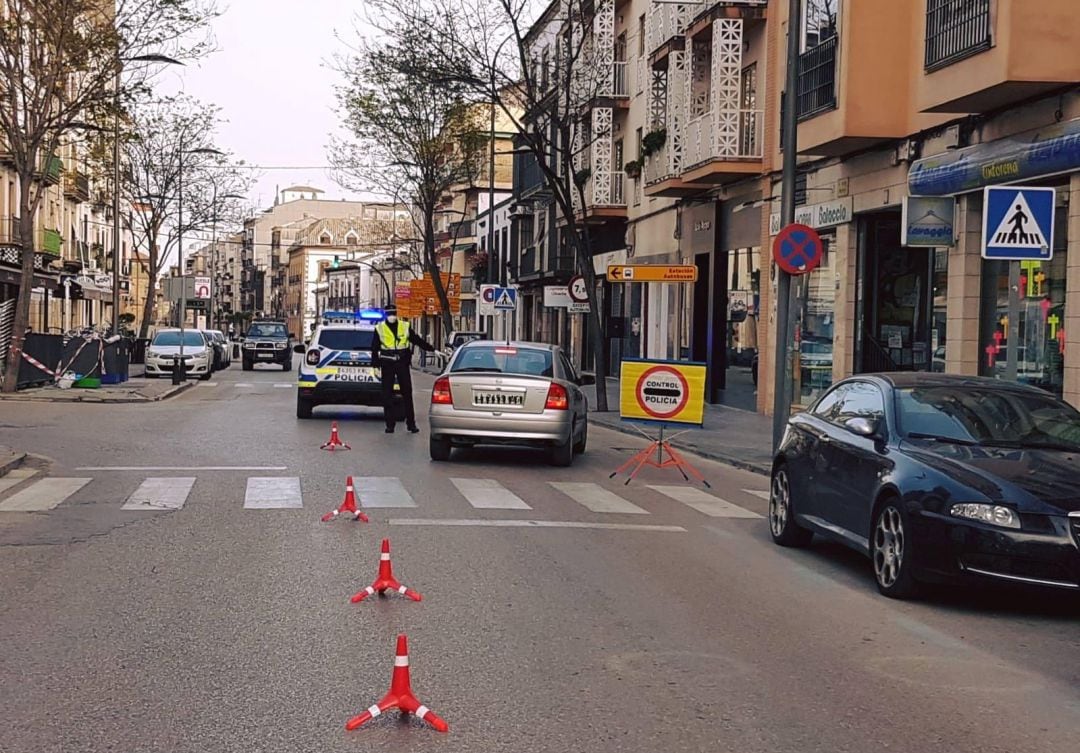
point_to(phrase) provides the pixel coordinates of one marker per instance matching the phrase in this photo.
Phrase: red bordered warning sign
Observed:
(662, 392)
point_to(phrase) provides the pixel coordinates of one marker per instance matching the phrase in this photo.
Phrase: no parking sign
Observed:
(670, 392)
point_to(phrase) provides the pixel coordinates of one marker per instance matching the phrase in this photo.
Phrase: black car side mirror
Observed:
(586, 379)
(298, 348)
(292, 336)
(864, 427)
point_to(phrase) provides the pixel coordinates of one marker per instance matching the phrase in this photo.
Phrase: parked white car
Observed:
(198, 353)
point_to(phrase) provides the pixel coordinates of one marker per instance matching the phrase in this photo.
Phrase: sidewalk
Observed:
(732, 436)
(135, 390)
(10, 460)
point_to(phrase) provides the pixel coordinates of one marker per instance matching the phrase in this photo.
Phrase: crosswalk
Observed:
(21, 492)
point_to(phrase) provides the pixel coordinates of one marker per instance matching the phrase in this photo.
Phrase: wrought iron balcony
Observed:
(955, 29)
(817, 79)
(77, 186)
(11, 231)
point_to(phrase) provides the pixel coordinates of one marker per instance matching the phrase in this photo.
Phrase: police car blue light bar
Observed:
(350, 317)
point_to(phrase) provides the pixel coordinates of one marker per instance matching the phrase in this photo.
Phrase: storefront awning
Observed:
(1034, 154)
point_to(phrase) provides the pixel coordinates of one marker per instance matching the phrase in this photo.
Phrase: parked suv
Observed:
(267, 342)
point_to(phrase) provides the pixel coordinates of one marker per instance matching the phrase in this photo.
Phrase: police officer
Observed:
(392, 351)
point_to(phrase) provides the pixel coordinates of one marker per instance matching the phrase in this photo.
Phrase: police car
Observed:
(337, 368)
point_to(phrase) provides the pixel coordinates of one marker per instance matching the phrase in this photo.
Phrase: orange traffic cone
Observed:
(400, 696)
(386, 580)
(335, 441)
(349, 505)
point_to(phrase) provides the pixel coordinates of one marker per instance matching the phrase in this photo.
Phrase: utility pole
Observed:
(782, 351)
(116, 204)
(491, 208)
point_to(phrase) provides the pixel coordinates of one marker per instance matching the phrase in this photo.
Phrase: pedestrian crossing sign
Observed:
(505, 299)
(1018, 223)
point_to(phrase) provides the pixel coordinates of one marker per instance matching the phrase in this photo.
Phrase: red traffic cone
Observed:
(386, 580)
(349, 505)
(335, 441)
(400, 695)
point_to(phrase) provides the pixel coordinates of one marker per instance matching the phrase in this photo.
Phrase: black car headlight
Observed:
(994, 515)
(249, 346)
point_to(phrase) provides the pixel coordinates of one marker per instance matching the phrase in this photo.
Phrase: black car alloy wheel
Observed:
(890, 549)
(785, 531)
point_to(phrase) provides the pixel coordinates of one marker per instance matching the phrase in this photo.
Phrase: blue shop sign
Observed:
(1047, 151)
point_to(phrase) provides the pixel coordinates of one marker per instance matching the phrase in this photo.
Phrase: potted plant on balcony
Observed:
(633, 169)
(652, 141)
(581, 177)
(478, 264)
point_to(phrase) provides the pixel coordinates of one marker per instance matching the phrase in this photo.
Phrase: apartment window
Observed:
(641, 35)
(955, 29)
(820, 22)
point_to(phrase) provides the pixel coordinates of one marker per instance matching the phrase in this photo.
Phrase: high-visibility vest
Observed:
(387, 339)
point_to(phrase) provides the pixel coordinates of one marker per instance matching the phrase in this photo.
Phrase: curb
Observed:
(11, 463)
(171, 392)
(736, 462)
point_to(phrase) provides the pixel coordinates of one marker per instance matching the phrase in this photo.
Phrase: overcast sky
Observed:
(271, 77)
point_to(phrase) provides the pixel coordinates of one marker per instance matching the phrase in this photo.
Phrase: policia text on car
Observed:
(392, 351)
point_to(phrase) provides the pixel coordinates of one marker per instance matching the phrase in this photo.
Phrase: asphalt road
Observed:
(621, 619)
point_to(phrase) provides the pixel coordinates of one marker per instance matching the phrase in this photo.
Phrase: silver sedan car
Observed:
(518, 393)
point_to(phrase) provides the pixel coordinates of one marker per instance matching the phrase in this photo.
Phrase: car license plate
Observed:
(495, 399)
(264, 355)
(355, 374)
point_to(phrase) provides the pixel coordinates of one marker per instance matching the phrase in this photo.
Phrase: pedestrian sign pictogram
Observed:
(505, 299)
(797, 249)
(1018, 223)
(662, 391)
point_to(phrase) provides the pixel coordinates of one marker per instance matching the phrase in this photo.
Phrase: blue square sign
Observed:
(1018, 223)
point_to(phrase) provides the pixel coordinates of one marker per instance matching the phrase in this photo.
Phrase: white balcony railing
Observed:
(657, 166)
(621, 80)
(616, 196)
(743, 140)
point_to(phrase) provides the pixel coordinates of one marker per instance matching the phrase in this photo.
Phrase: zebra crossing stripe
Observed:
(704, 503)
(597, 499)
(758, 493)
(161, 494)
(43, 495)
(273, 492)
(488, 494)
(15, 477)
(382, 491)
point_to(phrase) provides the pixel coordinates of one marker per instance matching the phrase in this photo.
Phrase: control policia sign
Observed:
(666, 392)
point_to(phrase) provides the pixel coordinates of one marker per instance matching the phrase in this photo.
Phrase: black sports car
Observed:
(936, 478)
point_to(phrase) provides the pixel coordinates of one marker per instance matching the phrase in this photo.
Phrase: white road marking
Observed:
(382, 491)
(704, 503)
(283, 385)
(168, 493)
(207, 384)
(43, 495)
(183, 468)
(758, 493)
(597, 498)
(269, 492)
(244, 384)
(463, 522)
(15, 477)
(488, 494)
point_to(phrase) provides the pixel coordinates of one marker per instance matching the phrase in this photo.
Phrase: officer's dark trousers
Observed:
(399, 371)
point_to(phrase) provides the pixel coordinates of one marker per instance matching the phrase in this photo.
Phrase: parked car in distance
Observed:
(222, 348)
(518, 393)
(936, 478)
(165, 347)
(267, 342)
(457, 339)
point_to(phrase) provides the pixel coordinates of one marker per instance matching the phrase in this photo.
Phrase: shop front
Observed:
(1012, 317)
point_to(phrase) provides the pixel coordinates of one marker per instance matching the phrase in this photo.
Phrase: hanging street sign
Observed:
(669, 392)
(652, 273)
(928, 221)
(797, 249)
(1018, 223)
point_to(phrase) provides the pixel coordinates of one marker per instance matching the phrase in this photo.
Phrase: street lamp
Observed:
(164, 60)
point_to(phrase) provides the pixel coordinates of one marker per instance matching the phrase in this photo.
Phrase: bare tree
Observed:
(412, 136)
(538, 62)
(60, 62)
(166, 153)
